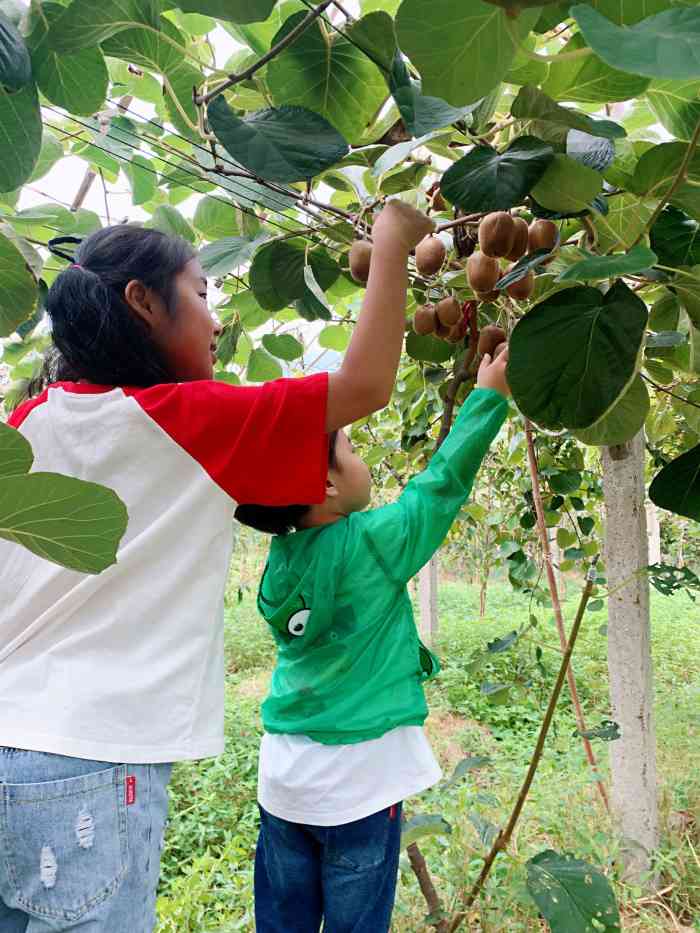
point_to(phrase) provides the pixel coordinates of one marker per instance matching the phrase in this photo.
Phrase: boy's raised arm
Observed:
(365, 380)
(404, 535)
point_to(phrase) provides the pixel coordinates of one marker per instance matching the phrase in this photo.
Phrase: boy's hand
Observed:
(492, 372)
(400, 223)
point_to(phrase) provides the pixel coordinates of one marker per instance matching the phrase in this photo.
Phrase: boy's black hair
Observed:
(96, 335)
(281, 519)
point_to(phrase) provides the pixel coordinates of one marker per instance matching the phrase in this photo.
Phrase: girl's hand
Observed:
(399, 223)
(492, 371)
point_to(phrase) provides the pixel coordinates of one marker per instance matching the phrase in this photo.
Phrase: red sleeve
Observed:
(265, 445)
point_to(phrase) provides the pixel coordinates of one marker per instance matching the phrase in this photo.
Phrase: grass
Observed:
(207, 862)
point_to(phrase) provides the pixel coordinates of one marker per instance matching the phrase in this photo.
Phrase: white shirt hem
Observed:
(392, 795)
(107, 751)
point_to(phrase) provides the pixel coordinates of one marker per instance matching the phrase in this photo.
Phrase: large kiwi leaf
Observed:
(18, 289)
(235, 11)
(85, 23)
(675, 238)
(533, 104)
(277, 273)
(591, 267)
(285, 144)
(421, 114)
(486, 180)
(663, 46)
(16, 456)
(572, 896)
(428, 349)
(20, 121)
(574, 354)
(15, 66)
(623, 421)
(677, 487)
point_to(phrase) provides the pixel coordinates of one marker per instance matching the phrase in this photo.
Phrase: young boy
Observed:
(344, 743)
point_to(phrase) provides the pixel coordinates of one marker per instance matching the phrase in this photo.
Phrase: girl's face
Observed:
(187, 333)
(349, 482)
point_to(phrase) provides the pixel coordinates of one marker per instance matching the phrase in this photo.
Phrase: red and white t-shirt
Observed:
(128, 665)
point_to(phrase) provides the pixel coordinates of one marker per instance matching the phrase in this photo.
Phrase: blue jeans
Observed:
(80, 843)
(344, 875)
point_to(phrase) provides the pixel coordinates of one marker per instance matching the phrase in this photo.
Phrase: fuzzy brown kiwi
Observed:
(496, 234)
(483, 272)
(542, 234)
(520, 240)
(499, 349)
(456, 333)
(490, 337)
(441, 330)
(424, 320)
(360, 257)
(489, 296)
(522, 289)
(449, 311)
(430, 255)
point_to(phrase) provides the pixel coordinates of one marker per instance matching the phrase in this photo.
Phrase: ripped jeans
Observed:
(80, 843)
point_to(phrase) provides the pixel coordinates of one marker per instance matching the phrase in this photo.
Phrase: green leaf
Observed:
(688, 290)
(675, 238)
(623, 421)
(466, 765)
(84, 23)
(525, 264)
(65, 520)
(499, 645)
(215, 217)
(277, 272)
(180, 81)
(584, 347)
(287, 144)
(422, 825)
(15, 65)
(567, 185)
(462, 51)
(142, 46)
(572, 896)
(497, 694)
(375, 34)
(283, 346)
(663, 46)
(404, 179)
(315, 292)
(656, 172)
(428, 349)
(627, 218)
(533, 104)
(421, 114)
(395, 155)
(676, 105)
(565, 538)
(595, 267)
(142, 177)
(589, 80)
(262, 367)
(51, 151)
(18, 290)
(170, 221)
(334, 337)
(677, 487)
(235, 11)
(20, 120)
(258, 37)
(16, 456)
(629, 12)
(485, 180)
(228, 342)
(323, 72)
(229, 253)
(77, 82)
(565, 482)
(608, 730)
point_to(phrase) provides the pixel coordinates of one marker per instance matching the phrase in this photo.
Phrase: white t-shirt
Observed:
(128, 666)
(303, 781)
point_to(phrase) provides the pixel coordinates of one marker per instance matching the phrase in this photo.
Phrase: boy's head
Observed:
(348, 488)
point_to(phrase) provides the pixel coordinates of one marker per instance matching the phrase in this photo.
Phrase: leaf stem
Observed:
(534, 56)
(677, 182)
(504, 836)
(291, 36)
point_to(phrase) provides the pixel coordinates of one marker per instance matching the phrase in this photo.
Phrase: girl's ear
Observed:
(331, 489)
(145, 303)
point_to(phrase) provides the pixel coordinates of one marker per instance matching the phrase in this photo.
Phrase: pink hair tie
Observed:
(75, 265)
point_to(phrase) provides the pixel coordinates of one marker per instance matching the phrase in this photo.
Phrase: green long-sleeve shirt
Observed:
(350, 665)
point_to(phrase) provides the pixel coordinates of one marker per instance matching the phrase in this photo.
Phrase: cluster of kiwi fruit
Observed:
(444, 319)
(502, 236)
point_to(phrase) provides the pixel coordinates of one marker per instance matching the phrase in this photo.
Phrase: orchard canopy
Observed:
(576, 124)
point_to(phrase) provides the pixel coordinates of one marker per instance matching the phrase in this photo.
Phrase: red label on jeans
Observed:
(130, 789)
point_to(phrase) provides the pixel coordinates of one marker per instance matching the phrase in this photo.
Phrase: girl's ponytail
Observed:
(97, 335)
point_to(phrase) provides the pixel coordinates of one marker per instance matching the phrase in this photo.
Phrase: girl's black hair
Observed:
(96, 335)
(281, 519)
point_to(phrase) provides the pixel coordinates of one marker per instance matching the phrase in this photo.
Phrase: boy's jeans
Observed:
(343, 875)
(80, 843)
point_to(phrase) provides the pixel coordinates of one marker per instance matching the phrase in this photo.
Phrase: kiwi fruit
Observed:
(449, 311)
(360, 257)
(483, 272)
(520, 240)
(522, 289)
(424, 320)
(489, 296)
(490, 337)
(542, 234)
(441, 330)
(496, 234)
(430, 255)
(456, 333)
(500, 348)
(439, 202)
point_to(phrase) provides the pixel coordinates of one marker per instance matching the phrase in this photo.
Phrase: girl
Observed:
(106, 680)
